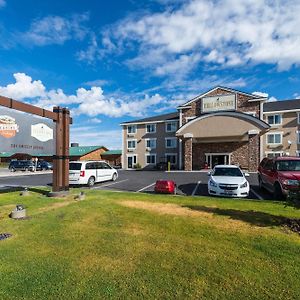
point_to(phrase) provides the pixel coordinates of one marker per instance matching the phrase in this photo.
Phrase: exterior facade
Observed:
(221, 126)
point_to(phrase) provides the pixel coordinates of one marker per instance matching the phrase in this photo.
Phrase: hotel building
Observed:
(221, 126)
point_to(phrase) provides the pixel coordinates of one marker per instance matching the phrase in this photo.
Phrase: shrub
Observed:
(137, 166)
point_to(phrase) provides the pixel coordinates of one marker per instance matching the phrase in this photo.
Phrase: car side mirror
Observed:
(246, 174)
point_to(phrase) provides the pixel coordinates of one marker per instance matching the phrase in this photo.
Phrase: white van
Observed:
(90, 172)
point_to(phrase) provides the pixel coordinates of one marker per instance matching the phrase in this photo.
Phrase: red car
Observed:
(279, 175)
(165, 186)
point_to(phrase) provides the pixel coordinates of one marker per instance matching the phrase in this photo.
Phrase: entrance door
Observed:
(213, 159)
(131, 161)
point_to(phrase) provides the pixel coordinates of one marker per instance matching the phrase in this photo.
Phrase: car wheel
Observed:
(278, 195)
(91, 181)
(12, 169)
(114, 177)
(26, 169)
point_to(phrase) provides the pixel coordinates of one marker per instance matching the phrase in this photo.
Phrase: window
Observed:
(298, 118)
(103, 165)
(171, 158)
(171, 142)
(151, 159)
(298, 137)
(171, 126)
(131, 129)
(151, 128)
(274, 138)
(151, 143)
(131, 144)
(274, 119)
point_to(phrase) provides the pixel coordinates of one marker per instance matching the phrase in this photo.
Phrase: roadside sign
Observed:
(25, 133)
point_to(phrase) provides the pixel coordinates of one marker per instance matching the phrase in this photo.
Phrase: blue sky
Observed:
(113, 61)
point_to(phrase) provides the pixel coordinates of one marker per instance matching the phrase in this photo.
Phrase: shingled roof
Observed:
(282, 105)
(164, 117)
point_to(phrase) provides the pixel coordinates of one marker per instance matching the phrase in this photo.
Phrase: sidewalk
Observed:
(7, 173)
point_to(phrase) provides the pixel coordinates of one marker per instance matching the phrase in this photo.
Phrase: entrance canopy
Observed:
(222, 126)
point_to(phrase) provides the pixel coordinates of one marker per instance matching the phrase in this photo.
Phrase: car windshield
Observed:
(75, 166)
(288, 165)
(234, 172)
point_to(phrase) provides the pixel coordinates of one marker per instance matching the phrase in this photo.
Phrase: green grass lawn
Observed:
(133, 246)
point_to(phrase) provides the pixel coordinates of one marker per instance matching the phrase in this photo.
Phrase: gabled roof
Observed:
(159, 118)
(83, 150)
(282, 105)
(112, 152)
(223, 88)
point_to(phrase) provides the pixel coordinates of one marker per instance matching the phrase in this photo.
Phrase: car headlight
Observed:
(212, 183)
(245, 184)
(290, 182)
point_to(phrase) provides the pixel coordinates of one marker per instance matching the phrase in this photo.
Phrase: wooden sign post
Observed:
(61, 116)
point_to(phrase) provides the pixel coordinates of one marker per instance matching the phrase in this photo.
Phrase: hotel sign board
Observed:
(218, 103)
(25, 133)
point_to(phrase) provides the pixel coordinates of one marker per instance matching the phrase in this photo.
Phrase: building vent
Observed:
(74, 144)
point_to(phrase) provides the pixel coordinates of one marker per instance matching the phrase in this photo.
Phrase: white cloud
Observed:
(23, 88)
(88, 135)
(91, 102)
(95, 120)
(261, 94)
(97, 82)
(272, 99)
(55, 30)
(2, 3)
(226, 33)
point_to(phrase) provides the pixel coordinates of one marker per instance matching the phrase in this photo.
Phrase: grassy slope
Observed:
(225, 249)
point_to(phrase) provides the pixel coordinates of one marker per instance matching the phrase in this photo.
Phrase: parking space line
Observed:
(105, 185)
(196, 188)
(144, 188)
(257, 195)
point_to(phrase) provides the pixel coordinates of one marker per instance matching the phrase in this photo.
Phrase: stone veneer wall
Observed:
(243, 105)
(245, 154)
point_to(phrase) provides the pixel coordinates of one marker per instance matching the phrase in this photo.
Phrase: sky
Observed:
(120, 60)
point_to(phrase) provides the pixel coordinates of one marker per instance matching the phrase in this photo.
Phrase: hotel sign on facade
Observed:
(226, 102)
(23, 133)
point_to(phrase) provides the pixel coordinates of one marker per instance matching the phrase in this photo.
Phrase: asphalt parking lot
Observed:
(188, 183)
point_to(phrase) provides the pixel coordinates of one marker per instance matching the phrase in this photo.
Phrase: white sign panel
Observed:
(226, 102)
(42, 132)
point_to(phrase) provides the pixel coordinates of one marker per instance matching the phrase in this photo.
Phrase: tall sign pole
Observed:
(61, 157)
(62, 119)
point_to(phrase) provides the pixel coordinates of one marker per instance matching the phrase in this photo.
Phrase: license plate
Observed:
(228, 192)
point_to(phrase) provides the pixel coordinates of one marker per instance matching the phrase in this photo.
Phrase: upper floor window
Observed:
(274, 119)
(171, 126)
(151, 128)
(171, 142)
(131, 129)
(274, 138)
(131, 144)
(151, 143)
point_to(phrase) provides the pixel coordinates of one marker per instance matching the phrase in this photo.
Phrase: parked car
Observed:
(228, 181)
(279, 175)
(165, 187)
(21, 165)
(90, 172)
(44, 165)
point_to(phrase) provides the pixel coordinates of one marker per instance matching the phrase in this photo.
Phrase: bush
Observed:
(293, 198)
(137, 166)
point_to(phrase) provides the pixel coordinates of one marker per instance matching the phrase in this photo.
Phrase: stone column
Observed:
(188, 150)
(253, 152)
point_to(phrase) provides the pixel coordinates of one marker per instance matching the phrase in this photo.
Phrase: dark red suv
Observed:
(279, 175)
